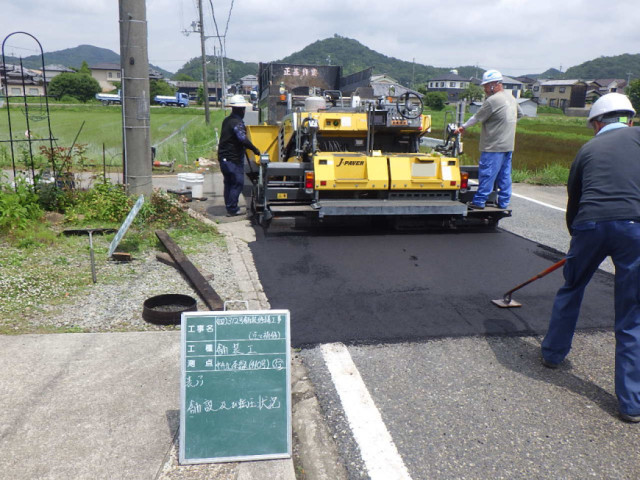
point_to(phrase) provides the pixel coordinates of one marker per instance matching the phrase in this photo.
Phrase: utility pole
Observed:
(205, 85)
(413, 74)
(134, 61)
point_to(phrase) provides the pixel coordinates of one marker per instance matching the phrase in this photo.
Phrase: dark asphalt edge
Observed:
(315, 454)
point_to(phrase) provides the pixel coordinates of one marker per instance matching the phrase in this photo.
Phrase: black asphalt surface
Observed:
(362, 285)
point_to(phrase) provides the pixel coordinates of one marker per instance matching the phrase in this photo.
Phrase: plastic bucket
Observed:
(193, 182)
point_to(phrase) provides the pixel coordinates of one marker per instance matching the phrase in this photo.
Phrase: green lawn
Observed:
(100, 126)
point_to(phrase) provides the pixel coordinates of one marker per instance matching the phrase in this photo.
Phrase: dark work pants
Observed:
(591, 243)
(233, 174)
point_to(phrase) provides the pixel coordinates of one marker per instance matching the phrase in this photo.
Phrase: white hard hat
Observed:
(609, 103)
(238, 101)
(491, 76)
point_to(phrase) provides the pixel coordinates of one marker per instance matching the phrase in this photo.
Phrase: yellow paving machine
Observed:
(332, 155)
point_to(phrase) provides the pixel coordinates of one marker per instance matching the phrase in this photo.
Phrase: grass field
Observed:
(540, 141)
(99, 126)
(544, 149)
(545, 145)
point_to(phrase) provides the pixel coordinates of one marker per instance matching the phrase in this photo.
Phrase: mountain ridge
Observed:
(352, 55)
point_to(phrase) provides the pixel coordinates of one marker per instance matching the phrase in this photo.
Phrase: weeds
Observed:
(40, 267)
(548, 175)
(19, 207)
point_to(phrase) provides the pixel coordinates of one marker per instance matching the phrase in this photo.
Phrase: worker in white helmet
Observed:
(603, 217)
(499, 114)
(231, 153)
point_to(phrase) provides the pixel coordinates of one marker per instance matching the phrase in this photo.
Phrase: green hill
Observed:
(234, 68)
(73, 58)
(350, 54)
(354, 57)
(619, 66)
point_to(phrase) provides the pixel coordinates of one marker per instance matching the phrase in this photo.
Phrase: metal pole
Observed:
(135, 102)
(205, 85)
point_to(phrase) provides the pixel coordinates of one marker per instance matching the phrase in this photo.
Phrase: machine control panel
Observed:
(390, 119)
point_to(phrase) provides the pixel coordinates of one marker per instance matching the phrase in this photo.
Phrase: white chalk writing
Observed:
(209, 406)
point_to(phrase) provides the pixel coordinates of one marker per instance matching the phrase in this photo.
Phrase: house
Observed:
(191, 88)
(512, 85)
(248, 83)
(528, 106)
(451, 83)
(527, 82)
(31, 85)
(107, 73)
(597, 88)
(52, 71)
(366, 85)
(561, 94)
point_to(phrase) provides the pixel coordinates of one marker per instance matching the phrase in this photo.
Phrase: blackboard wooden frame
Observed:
(235, 386)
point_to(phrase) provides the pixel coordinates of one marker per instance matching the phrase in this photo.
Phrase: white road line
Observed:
(539, 202)
(377, 449)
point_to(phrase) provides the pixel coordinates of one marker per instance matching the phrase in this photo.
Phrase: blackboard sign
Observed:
(235, 386)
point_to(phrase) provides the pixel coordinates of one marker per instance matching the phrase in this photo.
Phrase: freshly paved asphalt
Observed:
(369, 287)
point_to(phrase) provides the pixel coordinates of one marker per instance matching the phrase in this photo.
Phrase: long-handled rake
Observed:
(507, 302)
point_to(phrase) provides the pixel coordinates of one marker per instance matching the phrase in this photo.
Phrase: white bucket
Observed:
(193, 182)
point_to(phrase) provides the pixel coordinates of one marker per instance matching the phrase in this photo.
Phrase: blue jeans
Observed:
(233, 174)
(591, 243)
(494, 169)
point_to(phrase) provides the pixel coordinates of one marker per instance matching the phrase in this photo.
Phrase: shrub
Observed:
(105, 202)
(79, 85)
(435, 100)
(19, 206)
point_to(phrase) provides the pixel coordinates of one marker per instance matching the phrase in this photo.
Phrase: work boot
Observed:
(630, 418)
(473, 206)
(549, 364)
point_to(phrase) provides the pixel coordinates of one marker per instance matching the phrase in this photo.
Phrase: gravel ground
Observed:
(118, 307)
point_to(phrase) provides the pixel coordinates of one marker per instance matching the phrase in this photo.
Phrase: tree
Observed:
(200, 95)
(78, 85)
(435, 100)
(85, 68)
(183, 77)
(472, 93)
(160, 87)
(633, 91)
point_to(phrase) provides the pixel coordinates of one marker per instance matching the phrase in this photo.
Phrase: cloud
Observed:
(515, 36)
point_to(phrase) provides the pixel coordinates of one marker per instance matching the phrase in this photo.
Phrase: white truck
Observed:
(179, 100)
(109, 98)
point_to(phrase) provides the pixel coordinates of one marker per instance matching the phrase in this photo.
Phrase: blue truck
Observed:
(109, 98)
(179, 100)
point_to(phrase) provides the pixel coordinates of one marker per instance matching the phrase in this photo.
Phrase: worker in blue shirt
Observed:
(231, 153)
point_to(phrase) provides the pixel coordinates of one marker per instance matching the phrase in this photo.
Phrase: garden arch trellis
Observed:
(43, 113)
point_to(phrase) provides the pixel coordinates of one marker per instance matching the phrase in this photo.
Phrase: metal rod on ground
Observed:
(90, 232)
(199, 283)
(507, 302)
(93, 260)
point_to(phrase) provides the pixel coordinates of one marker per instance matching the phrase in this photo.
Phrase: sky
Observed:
(516, 37)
